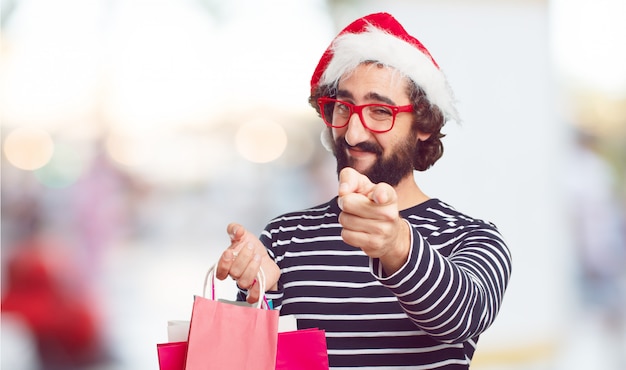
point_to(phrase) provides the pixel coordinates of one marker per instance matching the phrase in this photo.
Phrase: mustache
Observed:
(341, 144)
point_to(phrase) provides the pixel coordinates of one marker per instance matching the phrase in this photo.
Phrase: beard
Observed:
(390, 170)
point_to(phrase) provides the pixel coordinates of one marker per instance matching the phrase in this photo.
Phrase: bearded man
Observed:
(397, 279)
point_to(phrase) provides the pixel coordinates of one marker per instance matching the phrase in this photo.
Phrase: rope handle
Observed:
(260, 279)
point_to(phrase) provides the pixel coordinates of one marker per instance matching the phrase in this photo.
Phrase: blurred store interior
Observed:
(134, 131)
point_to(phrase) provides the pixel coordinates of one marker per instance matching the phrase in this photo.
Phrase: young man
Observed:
(397, 279)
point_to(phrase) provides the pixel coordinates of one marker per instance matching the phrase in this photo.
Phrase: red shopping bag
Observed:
(302, 350)
(172, 355)
(231, 337)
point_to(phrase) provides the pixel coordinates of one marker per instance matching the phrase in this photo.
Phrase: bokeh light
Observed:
(28, 148)
(129, 150)
(261, 140)
(64, 168)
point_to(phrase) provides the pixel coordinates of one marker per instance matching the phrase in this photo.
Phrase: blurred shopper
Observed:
(597, 221)
(43, 293)
(101, 205)
(397, 279)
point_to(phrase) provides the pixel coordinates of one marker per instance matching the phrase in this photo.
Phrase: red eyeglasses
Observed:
(377, 118)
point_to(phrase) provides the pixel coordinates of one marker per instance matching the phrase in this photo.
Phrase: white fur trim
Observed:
(326, 137)
(351, 49)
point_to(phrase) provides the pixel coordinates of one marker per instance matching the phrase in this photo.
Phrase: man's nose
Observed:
(356, 131)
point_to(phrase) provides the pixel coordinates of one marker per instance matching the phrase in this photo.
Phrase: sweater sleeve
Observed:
(276, 296)
(457, 296)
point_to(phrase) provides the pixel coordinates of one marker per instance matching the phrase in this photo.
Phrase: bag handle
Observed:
(260, 279)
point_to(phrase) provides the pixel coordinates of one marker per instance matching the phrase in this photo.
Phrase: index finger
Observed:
(235, 231)
(351, 181)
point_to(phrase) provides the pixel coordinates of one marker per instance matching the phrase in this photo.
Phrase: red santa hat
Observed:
(380, 37)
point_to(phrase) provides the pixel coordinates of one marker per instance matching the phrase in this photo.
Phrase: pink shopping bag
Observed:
(302, 350)
(172, 355)
(230, 337)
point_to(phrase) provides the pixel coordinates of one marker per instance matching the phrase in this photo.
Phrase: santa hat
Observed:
(380, 37)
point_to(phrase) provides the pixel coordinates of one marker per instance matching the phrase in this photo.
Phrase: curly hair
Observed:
(427, 118)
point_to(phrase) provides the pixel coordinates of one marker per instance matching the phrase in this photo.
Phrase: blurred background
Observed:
(134, 131)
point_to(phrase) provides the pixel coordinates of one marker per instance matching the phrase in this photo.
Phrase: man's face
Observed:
(382, 157)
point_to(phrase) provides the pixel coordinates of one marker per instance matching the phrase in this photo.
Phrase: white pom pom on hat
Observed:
(327, 139)
(380, 37)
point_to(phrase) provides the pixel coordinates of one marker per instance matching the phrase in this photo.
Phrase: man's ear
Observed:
(423, 136)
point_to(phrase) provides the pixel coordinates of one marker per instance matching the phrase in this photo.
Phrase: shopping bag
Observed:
(231, 337)
(172, 355)
(177, 330)
(302, 350)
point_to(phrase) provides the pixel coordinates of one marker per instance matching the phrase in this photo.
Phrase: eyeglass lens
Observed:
(374, 117)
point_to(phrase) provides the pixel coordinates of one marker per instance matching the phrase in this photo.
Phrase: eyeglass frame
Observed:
(358, 109)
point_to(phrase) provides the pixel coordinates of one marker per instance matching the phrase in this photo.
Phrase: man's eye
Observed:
(342, 108)
(380, 111)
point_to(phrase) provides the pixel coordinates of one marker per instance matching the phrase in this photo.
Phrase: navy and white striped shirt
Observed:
(428, 315)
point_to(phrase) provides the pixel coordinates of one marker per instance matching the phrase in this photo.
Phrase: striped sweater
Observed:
(428, 315)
